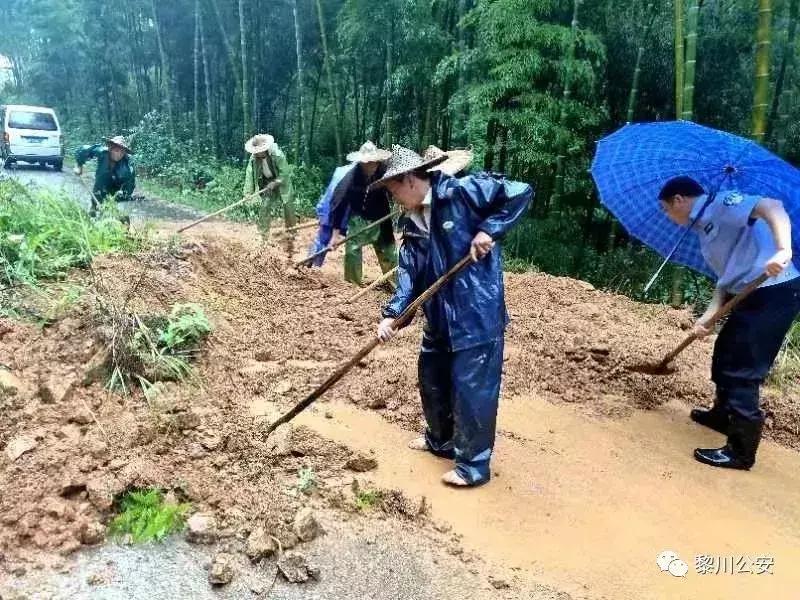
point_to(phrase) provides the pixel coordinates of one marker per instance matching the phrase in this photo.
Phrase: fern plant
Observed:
(146, 517)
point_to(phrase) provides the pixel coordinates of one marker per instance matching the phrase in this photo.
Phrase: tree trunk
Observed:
(687, 110)
(312, 124)
(337, 128)
(197, 73)
(637, 71)
(299, 124)
(680, 58)
(246, 115)
(783, 82)
(567, 95)
(164, 69)
(389, 83)
(763, 48)
(211, 129)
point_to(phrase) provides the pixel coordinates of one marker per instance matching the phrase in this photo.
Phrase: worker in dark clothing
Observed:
(461, 357)
(742, 236)
(115, 176)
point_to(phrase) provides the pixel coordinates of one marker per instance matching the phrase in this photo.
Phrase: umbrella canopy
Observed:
(632, 164)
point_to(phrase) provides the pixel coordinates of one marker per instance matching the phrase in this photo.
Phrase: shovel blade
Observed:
(659, 368)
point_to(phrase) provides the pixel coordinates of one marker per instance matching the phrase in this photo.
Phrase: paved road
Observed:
(139, 210)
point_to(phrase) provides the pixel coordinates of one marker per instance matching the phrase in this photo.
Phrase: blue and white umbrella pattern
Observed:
(632, 165)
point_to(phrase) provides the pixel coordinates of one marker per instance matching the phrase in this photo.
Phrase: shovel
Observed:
(663, 367)
(404, 318)
(270, 186)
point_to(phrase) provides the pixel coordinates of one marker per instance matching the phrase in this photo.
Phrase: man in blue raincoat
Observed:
(349, 204)
(741, 237)
(461, 358)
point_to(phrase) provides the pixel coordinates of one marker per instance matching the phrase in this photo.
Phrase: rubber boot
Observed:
(740, 451)
(717, 417)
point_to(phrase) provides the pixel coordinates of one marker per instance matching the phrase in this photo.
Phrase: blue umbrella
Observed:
(632, 164)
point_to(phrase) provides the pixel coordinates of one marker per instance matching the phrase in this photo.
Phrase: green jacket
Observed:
(254, 179)
(109, 178)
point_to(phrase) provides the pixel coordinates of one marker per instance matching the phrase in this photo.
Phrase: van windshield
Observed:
(22, 119)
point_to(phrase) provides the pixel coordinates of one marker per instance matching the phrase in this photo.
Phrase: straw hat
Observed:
(119, 142)
(405, 161)
(454, 162)
(259, 143)
(369, 152)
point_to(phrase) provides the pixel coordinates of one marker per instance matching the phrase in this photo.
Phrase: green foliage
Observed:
(367, 499)
(45, 233)
(150, 348)
(146, 517)
(306, 480)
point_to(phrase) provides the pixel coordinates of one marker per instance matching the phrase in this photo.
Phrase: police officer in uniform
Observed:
(741, 237)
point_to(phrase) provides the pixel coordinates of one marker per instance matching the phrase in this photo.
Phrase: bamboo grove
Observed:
(529, 84)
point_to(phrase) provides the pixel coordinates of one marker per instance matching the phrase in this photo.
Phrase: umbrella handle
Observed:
(723, 311)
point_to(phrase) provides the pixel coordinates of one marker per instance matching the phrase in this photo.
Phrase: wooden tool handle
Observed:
(382, 279)
(330, 247)
(270, 186)
(404, 318)
(724, 310)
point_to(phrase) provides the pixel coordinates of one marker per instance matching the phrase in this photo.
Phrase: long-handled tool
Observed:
(404, 318)
(308, 259)
(307, 225)
(271, 186)
(663, 367)
(382, 279)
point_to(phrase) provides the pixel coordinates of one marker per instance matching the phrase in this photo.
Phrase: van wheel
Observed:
(58, 165)
(9, 164)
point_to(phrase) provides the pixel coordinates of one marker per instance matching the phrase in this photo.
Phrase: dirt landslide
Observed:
(70, 447)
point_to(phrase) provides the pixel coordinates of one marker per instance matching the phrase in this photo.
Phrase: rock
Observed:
(259, 545)
(187, 419)
(57, 389)
(19, 446)
(91, 533)
(97, 367)
(279, 443)
(211, 442)
(499, 584)
(70, 432)
(306, 526)
(328, 414)
(101, 493)
(201, 528)
(117, 464)
(81, 416)
(259, 588)
(54, 507)
(196, 451)
(95, 447)
(295, 568)
(263, 356)
(221, 572)
(95, 579)
(10, 384)
(361, 464)
(377, 403)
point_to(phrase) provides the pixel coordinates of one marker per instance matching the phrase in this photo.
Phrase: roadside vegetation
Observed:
(147, 516)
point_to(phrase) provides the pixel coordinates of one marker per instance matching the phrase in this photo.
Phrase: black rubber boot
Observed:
(740, 451)
(716, 418)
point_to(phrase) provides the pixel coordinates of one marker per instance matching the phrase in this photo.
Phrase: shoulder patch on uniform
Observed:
(733, 199)
(448, 225)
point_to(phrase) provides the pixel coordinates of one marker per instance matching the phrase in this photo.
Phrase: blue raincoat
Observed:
(461, 358)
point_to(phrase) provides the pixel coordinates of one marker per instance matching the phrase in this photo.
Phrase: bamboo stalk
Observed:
(382, 279)
(399, 322)
(687, 110)
(272, 185)
(331, 247)
(763, 47)
(680, 58)
(637, 71)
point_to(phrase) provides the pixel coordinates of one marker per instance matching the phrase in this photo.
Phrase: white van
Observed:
(30, 134)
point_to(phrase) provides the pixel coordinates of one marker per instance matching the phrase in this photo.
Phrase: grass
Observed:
(786, 371)
(145, 349)
(145, 516)
(367, 499)
(44, 234)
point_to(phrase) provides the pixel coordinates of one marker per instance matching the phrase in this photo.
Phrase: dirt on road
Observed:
(593, 477)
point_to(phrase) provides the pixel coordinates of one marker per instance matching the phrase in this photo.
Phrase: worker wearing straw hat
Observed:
(267, 163)
(349, 204)
(461, 358)
(115, 175)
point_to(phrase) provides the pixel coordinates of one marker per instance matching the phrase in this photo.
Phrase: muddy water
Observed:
(586, 505)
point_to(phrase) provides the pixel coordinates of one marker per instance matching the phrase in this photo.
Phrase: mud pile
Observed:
(70, 447)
